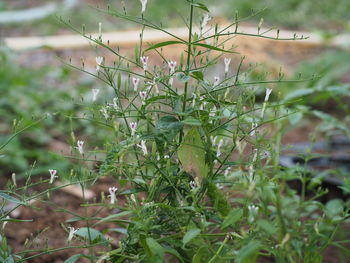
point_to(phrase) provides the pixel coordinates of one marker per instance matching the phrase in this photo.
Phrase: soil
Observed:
(48, 218)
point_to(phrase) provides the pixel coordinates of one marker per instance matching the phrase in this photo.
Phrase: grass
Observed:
(319, 15)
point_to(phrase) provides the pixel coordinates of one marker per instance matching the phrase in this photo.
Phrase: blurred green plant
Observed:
(298, 14)
(29, 95)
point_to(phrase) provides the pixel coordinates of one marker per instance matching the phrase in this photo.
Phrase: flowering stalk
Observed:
(52, 175)
(227, 62)
(112, 195)
(94, 94)
(172, 66)
(100, 31)
(135, 83)
(143, 95)
(80, 145)
(144, 4)
(251, 169)
(267, 96)
(206, 19)
(99, 62)
(72, 232)
(104, 112)
(144, 61)
(143, 147)
(216, 81)
(133, 127)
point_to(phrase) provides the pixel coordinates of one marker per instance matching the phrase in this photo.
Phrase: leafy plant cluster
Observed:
(195, 161)
(195, 156)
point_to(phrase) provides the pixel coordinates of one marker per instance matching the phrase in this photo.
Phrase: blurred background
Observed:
(36, 84)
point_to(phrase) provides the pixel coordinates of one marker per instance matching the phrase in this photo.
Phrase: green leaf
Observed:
(74, 219)
(218, 198)
(163, 44)
(156, 249)
(332, 121)
(91, 234)
(213, 48)
(10, 198)
(113, 217)
(9, 259)
(295, 117)
(191, 154)
(192, 121)
(168, 127)
(298, 93)
(182, 77)
(201, 6)
(174, 253)
(73, 258)
(190, 234)
(232, 217)
(334, 207)
(197, 258)
(249, 252)
(267, 226)
(197, 75)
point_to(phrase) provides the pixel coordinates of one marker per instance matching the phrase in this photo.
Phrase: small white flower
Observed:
(99, 61)
(94, 94)
(5, 222)
(253, 212)
(115, 104)
(216, 81)
(265, 155)
(72, 232)
(143, 147)
(227, 171)
(80, 145)
(143, 96)
(14, 181)
(135, 83)
(267, 95)
(172, 66)
(166, 156)
(149, 204)
(52, 175)
(133, 198)
(218, 152)
(213, 140)
(213, 111)
(206, 19)
(227, 62)
(220, 186)
(194, 99)
(143, 3)
(253, 130)
(193, 185)
(112, 191)
(133, 127)
(171, 81)
(100, 30)
(144, 61)
(104, 112)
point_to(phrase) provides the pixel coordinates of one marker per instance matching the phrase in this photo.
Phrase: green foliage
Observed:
(189, 155)
(309, 14)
